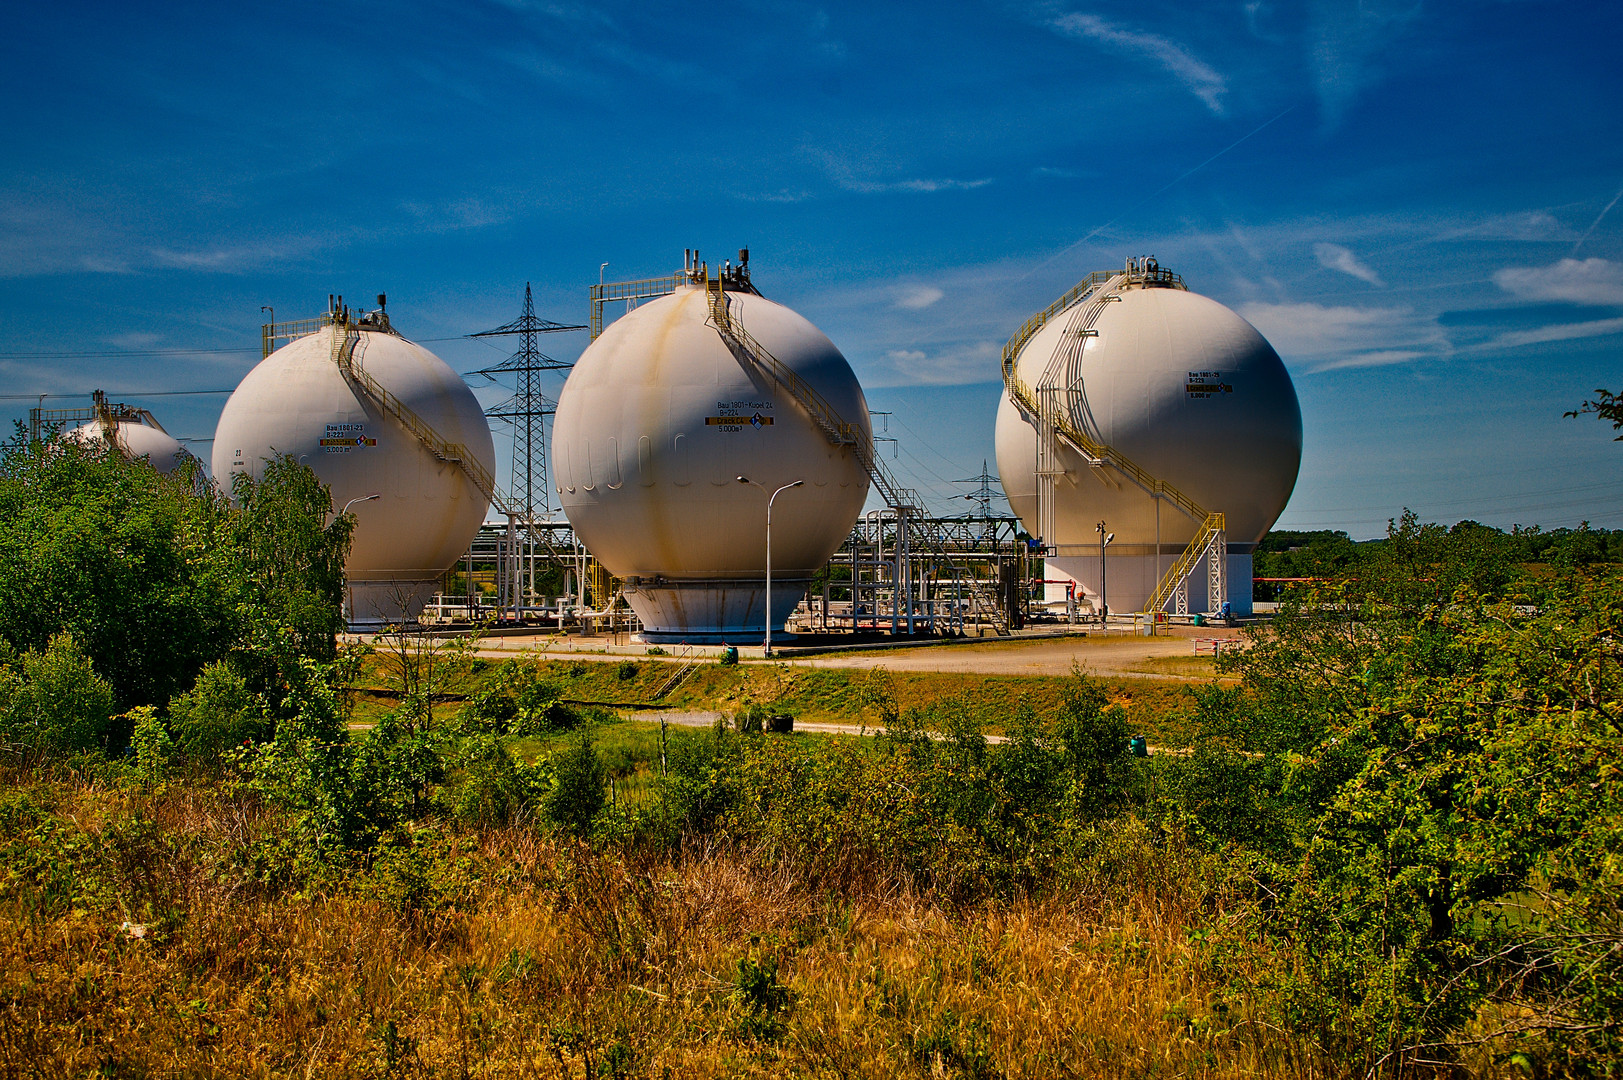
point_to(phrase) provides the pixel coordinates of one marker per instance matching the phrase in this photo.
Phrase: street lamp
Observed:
(1104, 541)
(360, 498)
(766, 650)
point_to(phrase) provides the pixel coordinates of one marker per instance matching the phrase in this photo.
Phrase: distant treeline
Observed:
(1323, 553)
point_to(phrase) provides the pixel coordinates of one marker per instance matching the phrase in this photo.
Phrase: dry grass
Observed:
(551, 960)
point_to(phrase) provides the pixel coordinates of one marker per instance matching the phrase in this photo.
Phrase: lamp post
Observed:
(766, 650)
(1104, 541)
(359, 498)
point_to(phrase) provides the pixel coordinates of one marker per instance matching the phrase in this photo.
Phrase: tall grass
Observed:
(512, 952)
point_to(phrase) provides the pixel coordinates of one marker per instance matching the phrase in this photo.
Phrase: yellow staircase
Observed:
(1053, 421)
(840, 432)
(346, 343)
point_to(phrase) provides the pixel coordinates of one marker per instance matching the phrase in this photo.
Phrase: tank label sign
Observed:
(341, 438)
(1205, 384)
(738, 415)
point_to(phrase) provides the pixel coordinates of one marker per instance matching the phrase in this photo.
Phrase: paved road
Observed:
(707, 719)
(1112, 654)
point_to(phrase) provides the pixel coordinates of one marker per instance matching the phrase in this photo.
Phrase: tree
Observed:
(1607, 406)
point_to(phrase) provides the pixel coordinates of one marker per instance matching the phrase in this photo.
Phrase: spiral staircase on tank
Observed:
(907, 505)
(1051, 407)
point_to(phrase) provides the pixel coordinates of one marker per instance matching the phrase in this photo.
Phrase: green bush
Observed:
(217, 715)
(54, 702)
(577, 795)
(491, 788)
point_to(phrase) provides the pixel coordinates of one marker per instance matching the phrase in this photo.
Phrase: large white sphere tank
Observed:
(135, 440)
(299, 402)
(658, 420)
(1190, 392)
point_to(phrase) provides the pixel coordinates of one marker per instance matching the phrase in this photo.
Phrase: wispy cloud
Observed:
(917, 297)
(1557, 332)
(1319, 337)
(1347, 44)
(1336, 257)
(973, 362)
(918, 186)
(1571, 281)
(1198, 77)
(235, 258)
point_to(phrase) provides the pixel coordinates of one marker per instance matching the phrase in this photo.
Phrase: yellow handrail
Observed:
(344, 340)
(839, 432)
(1211, 524)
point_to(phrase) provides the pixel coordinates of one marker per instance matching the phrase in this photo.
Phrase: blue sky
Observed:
(1417, 203)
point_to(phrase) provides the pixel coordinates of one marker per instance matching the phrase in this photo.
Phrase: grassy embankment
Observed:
(1157, 708)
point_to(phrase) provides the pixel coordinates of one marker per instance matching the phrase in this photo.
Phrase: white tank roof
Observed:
(135, 440)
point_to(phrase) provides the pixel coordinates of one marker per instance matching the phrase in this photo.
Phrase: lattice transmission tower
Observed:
(526, 411)
(983, 494)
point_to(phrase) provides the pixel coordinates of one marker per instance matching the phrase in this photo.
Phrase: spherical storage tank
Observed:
(1181, 387)
(301, 402)
(137, 436)
(656, 423)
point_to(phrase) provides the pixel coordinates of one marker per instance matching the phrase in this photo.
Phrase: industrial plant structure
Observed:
(713, 455)
(134, 432)
(1148, 437)
(395, 433)
(683, 426)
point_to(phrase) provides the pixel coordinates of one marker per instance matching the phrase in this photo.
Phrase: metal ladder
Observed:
(1054, 425)
(346, 344)
(839, 432)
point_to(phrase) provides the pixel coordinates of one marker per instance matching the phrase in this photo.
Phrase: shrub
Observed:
(54, 702)
(492, 789)
(577, 794)
(626, 670)
(151, 743)
(216, 715)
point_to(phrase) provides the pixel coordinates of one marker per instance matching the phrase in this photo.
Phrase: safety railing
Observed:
(344, 345)
(840, 432)
(1207, 538)
(643, 289)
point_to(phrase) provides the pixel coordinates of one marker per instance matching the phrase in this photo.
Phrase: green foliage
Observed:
(216, 716)
(150, 743)
(1427, 757)
(517, 700)
(1607, 406)
(493, 788)
(626, 670)
(761, 1000)
(156, 576)
(54, 702)
(289, 559)
(577, 795)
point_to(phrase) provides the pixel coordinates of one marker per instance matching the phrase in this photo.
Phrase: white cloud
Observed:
(1557, 332)
(235, 258)
(1571, 281)
(919, 186)
(1336, 257)
(1198, 78)
(1347, 44)
(955, 365)
(917, 297)
(1317, 337)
